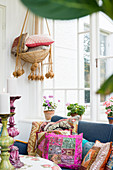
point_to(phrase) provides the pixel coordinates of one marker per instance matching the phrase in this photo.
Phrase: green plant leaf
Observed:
(107, 87)
(62, 9)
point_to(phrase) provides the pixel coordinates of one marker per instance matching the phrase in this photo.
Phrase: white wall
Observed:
(27, 106)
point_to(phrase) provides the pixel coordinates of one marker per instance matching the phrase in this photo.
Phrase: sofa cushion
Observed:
(66, 151)
(97, 156)
(109, 165)
(40, 139)
(86, 146)
(32, 138)
(63, 124)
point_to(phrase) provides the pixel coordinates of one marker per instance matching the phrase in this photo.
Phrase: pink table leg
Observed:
(14, 151)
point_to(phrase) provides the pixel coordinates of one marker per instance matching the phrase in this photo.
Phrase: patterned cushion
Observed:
(41, 139)
(86, 146)
(63, 124)
(22, 46)
(97, 156)
(66, 151)
(109, 165)
(37, 40)
(32, 138)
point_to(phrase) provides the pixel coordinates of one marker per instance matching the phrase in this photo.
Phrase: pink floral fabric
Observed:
(64, 150)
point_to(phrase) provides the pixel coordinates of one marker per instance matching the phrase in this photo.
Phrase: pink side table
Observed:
(14, 151)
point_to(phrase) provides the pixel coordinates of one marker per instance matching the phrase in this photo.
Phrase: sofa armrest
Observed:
(22, 147)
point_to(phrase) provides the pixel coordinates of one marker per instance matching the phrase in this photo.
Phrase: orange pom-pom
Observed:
(47, 75)
(14, 73)
(19, 72)
(29, 77)
(41, 77)
(33, 77)
(35, 65)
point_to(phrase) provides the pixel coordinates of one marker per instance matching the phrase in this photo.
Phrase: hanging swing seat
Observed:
(34, 56)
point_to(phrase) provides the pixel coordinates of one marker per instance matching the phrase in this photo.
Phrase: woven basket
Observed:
(34, 56)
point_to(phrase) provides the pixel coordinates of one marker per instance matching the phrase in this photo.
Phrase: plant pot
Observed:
(75, 114)
(49, 114)
(110, 119)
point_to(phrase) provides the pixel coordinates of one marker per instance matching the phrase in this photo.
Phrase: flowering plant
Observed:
(75, 108)
(109, 106)
(49, 105)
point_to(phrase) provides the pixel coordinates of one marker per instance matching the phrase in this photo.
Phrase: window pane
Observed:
(65, 68)
(60, 95)
(87, 96)
(66, 34)
(84, 58)
(103, 45)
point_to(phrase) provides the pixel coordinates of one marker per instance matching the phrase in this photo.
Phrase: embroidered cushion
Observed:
(109, 165)
(63, 124)
(32, 138)
(97, 156)
(37, 40)
(22, 46)
(66, 151)
(41, 139)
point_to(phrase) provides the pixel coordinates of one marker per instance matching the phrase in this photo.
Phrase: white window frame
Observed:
(94, 71)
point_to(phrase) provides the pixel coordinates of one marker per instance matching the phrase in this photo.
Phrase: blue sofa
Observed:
(91, 131)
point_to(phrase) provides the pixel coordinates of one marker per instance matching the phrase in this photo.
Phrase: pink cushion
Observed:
(40, 141)
(38, 40)
(64, 150)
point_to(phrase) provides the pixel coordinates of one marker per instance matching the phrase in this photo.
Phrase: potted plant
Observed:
(49, 107)
(109, 107)
(75, 109)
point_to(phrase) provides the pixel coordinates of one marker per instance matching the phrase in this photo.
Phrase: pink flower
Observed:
(67, 104)
(49, 105)
(111, 98)
(108, 104)
(106, 113)
(47, 101)
(58, 100)
(104, 103)
(109, 110)
(50, 96)
(44, 97)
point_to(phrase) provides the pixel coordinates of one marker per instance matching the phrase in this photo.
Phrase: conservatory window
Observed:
(81, 62)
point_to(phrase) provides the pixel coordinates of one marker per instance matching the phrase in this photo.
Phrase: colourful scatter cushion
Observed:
(38, 40)
(86, 146)
(63, 124)
(109, 165)
(66, 151)
(32, 138)
(97, 156)
(41, 139)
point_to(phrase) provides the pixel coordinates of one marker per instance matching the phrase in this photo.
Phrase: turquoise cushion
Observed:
(0, 130)
(86, 146)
